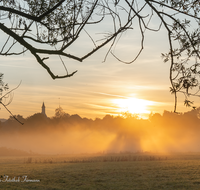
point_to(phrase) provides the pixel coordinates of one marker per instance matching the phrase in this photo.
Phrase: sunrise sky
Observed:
(98, 88)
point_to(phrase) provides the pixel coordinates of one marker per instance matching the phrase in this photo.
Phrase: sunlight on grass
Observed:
(123, 171)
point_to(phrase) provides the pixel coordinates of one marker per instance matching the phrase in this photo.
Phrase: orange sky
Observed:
(92, 91)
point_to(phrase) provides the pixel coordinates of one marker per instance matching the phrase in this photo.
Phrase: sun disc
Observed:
(133, 105)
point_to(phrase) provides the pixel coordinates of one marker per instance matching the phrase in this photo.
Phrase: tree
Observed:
(128, 115)
(59, 113)
(36, 119)
(6, 96)
(49, 28)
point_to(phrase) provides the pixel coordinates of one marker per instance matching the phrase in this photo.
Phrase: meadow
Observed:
(102, 171)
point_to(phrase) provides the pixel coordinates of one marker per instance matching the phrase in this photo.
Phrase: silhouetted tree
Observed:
(37, 120)
(3, 88)
(155, 118)
(6, 96)
(127, 114)
(75, 119)
(59, 113)
(48, 28)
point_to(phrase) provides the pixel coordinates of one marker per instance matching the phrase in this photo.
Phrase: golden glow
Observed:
(133, 105)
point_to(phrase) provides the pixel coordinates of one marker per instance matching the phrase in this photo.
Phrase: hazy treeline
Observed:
(66, 133)
(13, 152)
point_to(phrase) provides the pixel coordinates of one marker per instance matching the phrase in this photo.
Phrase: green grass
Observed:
(181, 171)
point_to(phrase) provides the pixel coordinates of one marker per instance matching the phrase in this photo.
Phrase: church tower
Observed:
(43, 109)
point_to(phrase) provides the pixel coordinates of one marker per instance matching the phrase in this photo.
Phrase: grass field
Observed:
(114, 171)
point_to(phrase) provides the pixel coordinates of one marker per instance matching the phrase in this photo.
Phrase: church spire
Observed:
(43, 109)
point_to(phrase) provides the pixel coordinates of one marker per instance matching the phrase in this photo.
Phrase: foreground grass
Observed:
(179, 172)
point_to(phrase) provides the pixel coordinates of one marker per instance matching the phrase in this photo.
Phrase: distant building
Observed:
(43, 109)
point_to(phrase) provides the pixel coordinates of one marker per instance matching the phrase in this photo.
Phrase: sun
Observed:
(133, 105)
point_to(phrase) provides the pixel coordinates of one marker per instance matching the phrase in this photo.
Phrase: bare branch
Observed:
(11, 113)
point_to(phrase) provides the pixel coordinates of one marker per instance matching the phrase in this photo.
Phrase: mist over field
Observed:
(71, 134)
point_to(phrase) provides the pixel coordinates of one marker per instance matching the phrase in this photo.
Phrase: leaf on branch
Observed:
(188, 103)
(172, 90)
